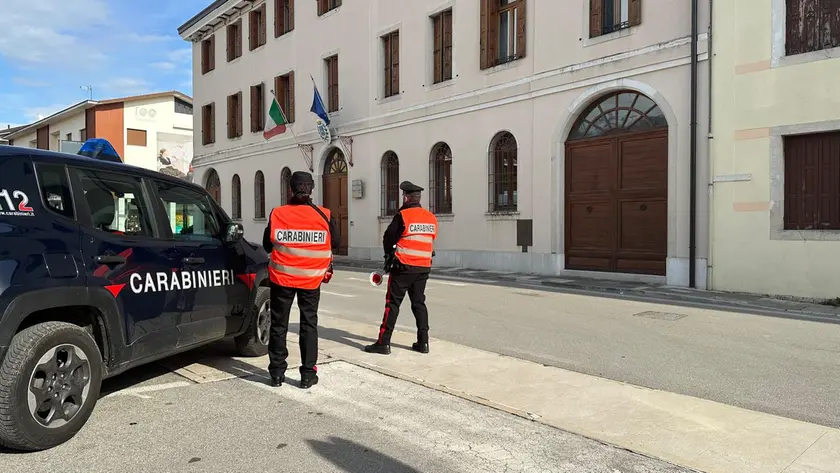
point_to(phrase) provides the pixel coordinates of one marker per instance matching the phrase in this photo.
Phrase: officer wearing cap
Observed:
(300, 237)
(409, 242)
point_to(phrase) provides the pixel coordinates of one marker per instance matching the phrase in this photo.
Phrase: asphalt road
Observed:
(357, 422)
(780, 366)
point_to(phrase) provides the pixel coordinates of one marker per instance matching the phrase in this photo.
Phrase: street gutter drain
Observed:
(660, 315)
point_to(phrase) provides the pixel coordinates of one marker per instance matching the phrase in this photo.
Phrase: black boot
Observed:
(307, 382)
(379, 349)
(420, 347)
(277, 381)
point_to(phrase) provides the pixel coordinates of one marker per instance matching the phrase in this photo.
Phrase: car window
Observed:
(55, 189)
(190, 213)
(116, 203)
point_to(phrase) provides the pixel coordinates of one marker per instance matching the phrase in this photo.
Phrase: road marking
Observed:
(449, 283)
(141, 390)
(337, 294)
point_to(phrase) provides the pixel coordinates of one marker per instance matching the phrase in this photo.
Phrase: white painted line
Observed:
(337, 294)
(320, 310)
(139, 391)
(448, 283)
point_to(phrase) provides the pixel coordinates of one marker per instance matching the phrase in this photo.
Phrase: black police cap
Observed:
(409, 188)
(301, 182)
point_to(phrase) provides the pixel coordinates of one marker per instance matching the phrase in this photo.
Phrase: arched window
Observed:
(236, 198)
(440, 179)
(259, 195)
(624, 111)
(390, 184)
(285, 179)
(214, 185)
(503, 173)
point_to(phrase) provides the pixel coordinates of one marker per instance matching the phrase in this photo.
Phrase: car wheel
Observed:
(49, 385)
(254, 342)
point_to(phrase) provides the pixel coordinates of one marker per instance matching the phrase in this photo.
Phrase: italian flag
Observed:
(275, 122)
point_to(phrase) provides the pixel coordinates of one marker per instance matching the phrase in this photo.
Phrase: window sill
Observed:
(234, 60)
(329, 13)
(262, 46)
(285, 34)
(805, 235)
(385, 218)
(605, 38)
(507, 215)
(804, 58)
(260, 219)
(392, 98)
(504, 66)
(441, 85)
(445, 217)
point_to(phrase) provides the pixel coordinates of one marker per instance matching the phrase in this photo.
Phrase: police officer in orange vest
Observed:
(409, 240)
(300, 237)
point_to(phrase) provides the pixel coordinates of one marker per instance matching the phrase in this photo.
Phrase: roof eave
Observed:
(84, 105)
(209, 18)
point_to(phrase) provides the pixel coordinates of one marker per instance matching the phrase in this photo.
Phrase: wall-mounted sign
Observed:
(358, 190)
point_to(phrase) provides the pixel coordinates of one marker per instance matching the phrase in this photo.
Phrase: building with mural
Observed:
(551, 137)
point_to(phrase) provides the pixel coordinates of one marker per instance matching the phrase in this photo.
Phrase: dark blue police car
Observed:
(104, 267)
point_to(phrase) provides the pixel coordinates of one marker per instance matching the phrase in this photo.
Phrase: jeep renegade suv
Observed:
(104, 267)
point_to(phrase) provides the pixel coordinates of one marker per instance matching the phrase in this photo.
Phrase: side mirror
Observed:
(234, 233)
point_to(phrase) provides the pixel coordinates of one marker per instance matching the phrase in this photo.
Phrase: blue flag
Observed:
(318, 107)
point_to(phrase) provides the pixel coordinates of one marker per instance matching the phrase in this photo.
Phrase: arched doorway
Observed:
(335, 193)
(214, 185)
(617, 187)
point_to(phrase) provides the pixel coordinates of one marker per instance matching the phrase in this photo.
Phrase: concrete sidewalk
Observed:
(757, 304)
(690, 432)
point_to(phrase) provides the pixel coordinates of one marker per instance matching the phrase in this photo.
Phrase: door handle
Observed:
(110, 259)
(193, 260)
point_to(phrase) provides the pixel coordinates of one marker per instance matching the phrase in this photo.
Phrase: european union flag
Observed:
(318, 107)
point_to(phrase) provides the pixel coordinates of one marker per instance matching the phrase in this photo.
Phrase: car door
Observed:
(215, 289)
(123, 252)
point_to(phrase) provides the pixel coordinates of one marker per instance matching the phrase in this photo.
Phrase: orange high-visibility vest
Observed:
(414, 248)
(302, 252)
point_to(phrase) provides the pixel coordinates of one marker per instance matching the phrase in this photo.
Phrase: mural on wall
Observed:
(175, 155)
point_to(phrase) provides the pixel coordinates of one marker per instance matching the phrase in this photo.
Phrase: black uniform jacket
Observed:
(393, 234)
(335, 238)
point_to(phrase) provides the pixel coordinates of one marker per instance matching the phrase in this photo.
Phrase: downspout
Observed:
(692, 212)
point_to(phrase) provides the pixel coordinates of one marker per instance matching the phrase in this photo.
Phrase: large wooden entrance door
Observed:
(336, 194)
(617, 187)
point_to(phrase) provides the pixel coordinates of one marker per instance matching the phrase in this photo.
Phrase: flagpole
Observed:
(322, 100)
(288, 126)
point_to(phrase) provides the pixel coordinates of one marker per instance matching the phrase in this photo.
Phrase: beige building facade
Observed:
(561, 125)
(776, 148)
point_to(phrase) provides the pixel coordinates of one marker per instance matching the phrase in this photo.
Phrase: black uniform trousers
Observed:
(399, 283)
(281, 306)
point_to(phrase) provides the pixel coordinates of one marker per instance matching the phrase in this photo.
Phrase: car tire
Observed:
(50, 361)
(254, 342)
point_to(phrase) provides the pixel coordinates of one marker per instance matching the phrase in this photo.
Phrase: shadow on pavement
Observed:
(343, 337)
(352, 457)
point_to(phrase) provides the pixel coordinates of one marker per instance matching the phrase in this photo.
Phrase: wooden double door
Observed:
(336, 195)
(616, 203)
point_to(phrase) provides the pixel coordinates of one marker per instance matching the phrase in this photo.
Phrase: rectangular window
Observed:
(190, 213)
(332, 83)
(503, 32)
(208, 54)
(442, 46)
(284, 87)
(608, 16)
(55, 189)
(115, 202)
(257, 108)
(327, 5)
(256, 27)
(391, 48)
(183, 107)
(284, 17)
(812, 181)
(811, 25)
(83, 134)
(234, 115)
(234, 40)
(68, 137)
(135, 137)
(208, 124)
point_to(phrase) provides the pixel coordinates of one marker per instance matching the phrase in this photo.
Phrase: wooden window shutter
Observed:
(278, 18)
(238, 38)
(322, 7)
(484, 62)
(239, 114)
(437, 48)
(395, 63)
(213, 122)
(386, 49)
(596, 18)
(252, 31)
(230, 117)
(492, 33)
(291, 15)
(229, 48)
(262, 25)
(212, 54)
(521, 32)
(635, 15)
(447, 45)
(291, 111)
(205, 57)
(254, 108)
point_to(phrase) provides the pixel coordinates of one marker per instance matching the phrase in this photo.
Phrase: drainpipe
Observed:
(692, 212)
